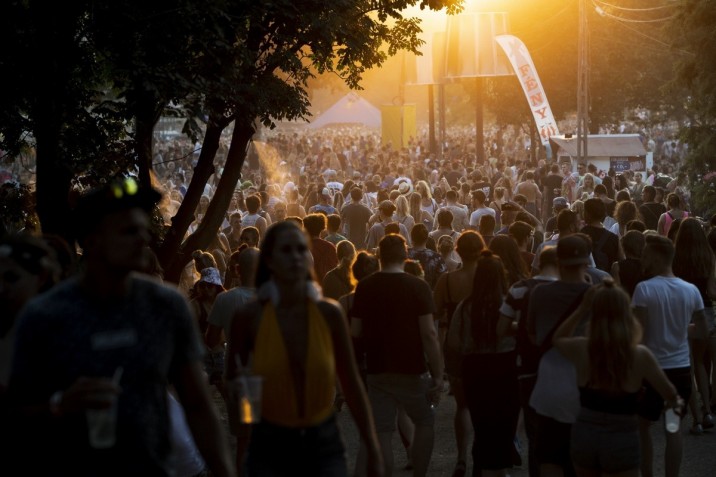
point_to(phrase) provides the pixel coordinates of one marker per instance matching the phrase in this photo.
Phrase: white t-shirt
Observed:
(670, 303)
(478, 213)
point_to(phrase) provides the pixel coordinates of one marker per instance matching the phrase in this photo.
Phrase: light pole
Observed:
(583, 85)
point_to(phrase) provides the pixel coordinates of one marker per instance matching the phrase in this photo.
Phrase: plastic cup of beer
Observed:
(102, 423)
(250, 399)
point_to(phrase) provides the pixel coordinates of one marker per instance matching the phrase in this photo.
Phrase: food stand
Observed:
(622, 152)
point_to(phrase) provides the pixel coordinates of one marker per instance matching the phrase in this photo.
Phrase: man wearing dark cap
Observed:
(508, 214)
(555, 397)
(112, 322)
(377, 231)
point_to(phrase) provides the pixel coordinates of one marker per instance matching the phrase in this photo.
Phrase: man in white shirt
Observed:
(480, 209)
(460, 219)
(666, 306)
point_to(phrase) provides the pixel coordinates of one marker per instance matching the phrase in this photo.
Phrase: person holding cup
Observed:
(270, 338)
(110, 339)
(611, 367)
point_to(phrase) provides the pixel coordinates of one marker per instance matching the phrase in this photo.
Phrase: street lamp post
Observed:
(583, 85)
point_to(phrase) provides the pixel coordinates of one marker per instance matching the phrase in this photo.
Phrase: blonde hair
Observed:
(338, 200)
(415, 200)
(589, 176)
(402, 209)
(424, 190)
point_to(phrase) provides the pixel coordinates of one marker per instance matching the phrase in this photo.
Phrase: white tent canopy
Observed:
(350, 109)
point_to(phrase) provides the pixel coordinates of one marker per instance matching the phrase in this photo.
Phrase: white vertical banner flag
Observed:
(526, 72)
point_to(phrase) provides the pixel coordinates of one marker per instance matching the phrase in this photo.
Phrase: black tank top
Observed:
(604, 401)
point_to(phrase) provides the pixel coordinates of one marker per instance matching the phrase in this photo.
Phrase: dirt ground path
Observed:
(699, 450)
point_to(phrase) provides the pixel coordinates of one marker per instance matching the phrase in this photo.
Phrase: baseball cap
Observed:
(560, 202)
(387, 206)
(326, 192)
(573, 250)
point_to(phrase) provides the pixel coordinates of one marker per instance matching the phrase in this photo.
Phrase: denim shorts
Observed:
(278, 451)
(388, 391)
(605, 442)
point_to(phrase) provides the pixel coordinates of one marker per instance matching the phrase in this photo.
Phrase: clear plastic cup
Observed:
(102, 423)
(102, 426)
(250, 393)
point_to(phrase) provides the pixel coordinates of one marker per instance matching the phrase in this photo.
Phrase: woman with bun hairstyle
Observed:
(611, 367)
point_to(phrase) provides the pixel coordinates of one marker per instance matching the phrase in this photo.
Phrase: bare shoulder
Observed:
(328, 306)
(643, 353)
(331, 311)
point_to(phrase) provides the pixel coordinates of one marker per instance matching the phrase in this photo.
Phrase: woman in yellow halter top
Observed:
(299, 344)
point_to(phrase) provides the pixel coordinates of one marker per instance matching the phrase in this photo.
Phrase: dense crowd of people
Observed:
(571, 301)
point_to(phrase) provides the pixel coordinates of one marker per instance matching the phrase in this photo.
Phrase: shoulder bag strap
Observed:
(547, 342)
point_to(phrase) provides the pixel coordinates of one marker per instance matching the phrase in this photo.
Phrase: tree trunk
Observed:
(53, 174)
(52, 191)
(207, 230)
(173, 238)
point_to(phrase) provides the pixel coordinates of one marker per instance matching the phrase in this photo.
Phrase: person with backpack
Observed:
(377, 231)
(675, 211)
(555, 397)
(513, 321)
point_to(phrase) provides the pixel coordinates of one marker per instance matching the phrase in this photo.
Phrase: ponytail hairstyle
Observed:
(614, 333)
(488, 289)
